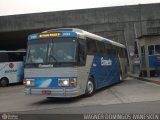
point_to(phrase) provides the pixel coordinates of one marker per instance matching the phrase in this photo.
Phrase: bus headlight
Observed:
(63, 82)
(28, 82)
(67, 82)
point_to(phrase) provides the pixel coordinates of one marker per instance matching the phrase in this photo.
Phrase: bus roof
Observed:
(84, 33)
(16, 51)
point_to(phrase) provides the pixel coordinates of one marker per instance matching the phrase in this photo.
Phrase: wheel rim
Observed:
(120, 77)
(90, 87)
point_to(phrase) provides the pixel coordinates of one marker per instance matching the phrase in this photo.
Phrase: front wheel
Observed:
(90, 88)
(4, 82)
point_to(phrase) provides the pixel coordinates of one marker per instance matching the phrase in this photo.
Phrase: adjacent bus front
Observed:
(51, 64)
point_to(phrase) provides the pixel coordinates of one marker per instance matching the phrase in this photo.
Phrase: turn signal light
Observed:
(73, 82)
(24, 82)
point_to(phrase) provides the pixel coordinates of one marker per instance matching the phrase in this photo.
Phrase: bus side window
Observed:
(116, 50)
(91, 46)
(3, 57)
(100, 48)
(142, 51)
(112, 50)
(82, 51)
(108, 49)
(151, 49)
(120, 52)
(124, 52)
(16, 56)
(157, 49)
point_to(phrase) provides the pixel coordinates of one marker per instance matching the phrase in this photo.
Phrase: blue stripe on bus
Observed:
(106, 71)
(48, 82)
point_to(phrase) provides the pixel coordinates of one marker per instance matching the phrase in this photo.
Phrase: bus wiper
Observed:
(52, 56)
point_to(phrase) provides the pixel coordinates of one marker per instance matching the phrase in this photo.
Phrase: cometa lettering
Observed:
(106, 62)
(45, 66)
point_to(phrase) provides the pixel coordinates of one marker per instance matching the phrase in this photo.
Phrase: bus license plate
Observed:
(48, 92)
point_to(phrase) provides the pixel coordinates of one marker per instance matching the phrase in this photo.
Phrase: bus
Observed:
(69, 62)
(153, 57)
(11, 67)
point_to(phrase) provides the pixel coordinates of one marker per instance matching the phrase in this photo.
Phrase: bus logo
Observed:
(106, 62)
(11, 65)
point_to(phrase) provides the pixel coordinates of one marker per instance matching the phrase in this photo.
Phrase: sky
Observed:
(12, 7)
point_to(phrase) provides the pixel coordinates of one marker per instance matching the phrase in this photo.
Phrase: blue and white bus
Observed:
(11, 67)
(153, 56)
(69, 62)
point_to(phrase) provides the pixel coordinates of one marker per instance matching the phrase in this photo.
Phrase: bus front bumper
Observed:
(59, 92)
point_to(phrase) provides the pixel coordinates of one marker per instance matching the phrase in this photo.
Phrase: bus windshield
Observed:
(53, 51)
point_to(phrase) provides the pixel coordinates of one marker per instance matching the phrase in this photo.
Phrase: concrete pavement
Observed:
(129, 91)
(148, 79)
(150, 107)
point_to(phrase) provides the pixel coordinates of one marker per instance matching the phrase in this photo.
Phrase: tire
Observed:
(120, 78)
(4, 82)
(90, 89)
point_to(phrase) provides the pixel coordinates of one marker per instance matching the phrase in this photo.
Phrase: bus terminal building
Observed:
(123, 24)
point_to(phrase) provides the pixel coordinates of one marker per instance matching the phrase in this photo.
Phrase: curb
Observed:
(144, 79)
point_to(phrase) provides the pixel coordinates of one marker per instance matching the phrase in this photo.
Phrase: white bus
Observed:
(71, 62)
(11, 67)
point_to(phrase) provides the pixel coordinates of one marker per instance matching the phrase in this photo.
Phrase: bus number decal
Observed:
(66, 34)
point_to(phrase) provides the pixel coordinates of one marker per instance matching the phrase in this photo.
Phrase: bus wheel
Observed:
(4, 82)
(90, 88)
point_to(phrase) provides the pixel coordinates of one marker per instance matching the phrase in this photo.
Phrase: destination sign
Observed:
(44, 35)
(50, 35)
